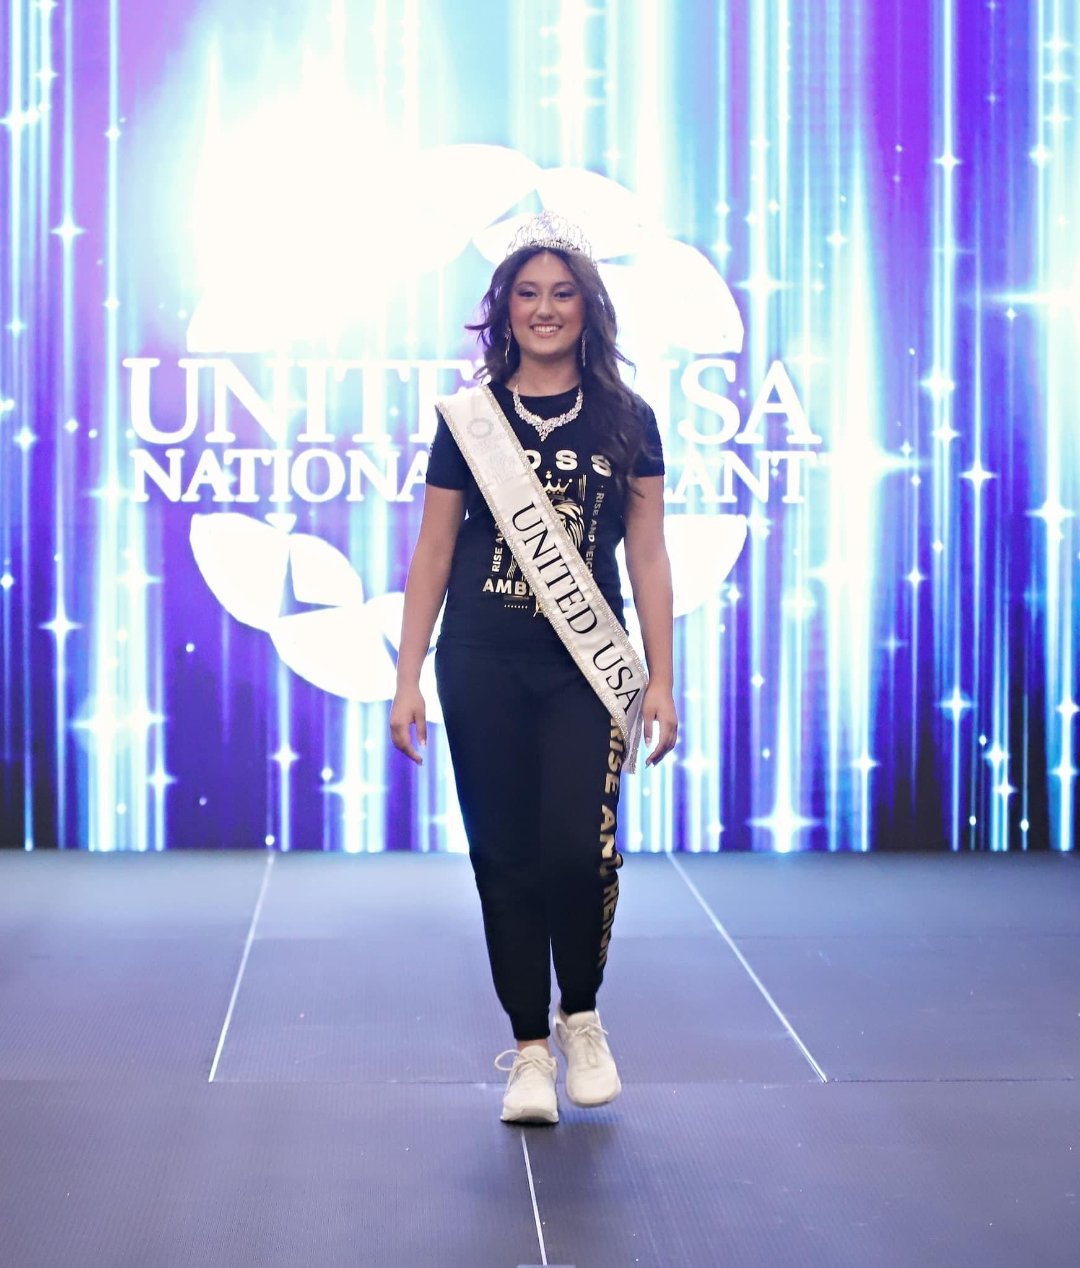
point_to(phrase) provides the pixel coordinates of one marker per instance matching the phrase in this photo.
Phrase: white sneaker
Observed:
(530, 1090)
(591, 1077)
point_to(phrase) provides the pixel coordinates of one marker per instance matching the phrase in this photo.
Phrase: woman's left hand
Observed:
(659, 708)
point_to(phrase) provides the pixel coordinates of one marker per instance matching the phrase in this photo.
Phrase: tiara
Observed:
(552, 231)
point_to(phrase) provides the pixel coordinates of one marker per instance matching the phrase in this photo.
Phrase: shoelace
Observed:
(591, 1034)
(526, 1057)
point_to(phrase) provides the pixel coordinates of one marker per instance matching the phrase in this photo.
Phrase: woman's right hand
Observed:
(407, 711)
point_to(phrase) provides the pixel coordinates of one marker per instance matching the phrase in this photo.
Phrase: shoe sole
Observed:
(540, 1117)
(593, 1104)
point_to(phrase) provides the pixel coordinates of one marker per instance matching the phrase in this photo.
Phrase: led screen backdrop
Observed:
(240, 242)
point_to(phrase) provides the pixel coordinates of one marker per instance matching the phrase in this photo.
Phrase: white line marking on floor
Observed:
(753, 976)
(532, 1194)
(243, 962)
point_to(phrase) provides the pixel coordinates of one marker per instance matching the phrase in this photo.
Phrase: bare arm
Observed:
(425, 590)
(650, 576)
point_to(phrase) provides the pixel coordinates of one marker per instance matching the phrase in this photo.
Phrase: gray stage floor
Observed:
(245, 1059)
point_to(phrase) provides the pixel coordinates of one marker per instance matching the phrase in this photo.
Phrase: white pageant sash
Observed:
(559, 577)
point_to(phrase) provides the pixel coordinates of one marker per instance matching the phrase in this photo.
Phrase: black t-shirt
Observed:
(488, 603)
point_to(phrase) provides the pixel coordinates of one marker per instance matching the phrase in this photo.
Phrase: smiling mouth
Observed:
(545, 330)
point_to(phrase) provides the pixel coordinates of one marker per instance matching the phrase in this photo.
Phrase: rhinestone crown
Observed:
(551, 230)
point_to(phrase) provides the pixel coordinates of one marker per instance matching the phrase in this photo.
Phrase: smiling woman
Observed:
(547, 313)
(534, 480)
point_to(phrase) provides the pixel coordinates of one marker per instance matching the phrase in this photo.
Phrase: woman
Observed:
(539, 721)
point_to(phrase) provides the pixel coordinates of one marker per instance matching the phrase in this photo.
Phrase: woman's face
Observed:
(547, 309)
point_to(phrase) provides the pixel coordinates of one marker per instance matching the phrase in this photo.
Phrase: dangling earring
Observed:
(506, 347)
(584, 340)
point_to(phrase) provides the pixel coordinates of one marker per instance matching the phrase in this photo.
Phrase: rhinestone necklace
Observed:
(545, 426)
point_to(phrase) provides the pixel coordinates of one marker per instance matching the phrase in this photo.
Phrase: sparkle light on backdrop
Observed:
(239, 247)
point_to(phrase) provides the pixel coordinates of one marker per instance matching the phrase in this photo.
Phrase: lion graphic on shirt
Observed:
(567, 501)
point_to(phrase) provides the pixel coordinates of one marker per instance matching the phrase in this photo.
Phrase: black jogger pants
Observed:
(537, 763)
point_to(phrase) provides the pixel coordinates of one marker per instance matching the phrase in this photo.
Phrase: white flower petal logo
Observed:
(307, 596)
(665, 292)
(352, 246)
(703, 550)
(342, 245)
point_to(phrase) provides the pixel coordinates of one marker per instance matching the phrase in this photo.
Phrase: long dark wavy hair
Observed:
(613, 408)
